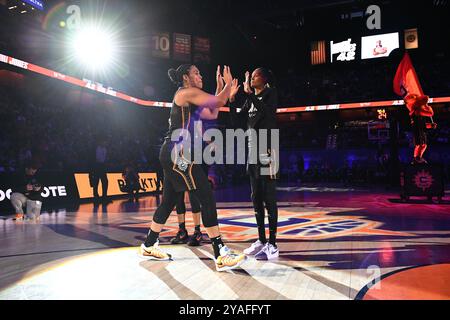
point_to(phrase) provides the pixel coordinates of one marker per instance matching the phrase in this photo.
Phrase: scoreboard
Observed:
(361, 48)
(379, 46)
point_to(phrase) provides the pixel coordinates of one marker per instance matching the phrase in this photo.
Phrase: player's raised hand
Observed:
(234, 89)
(227, 76)
(247, 87)
(219, 80)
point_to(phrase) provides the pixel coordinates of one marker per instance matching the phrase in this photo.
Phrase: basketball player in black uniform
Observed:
(182, 235)
(190, 104)
(259, 112)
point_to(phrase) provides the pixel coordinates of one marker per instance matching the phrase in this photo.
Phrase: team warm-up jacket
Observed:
(257, 112)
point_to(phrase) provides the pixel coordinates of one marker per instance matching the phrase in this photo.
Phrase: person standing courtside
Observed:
(99, 172)
(259, 112)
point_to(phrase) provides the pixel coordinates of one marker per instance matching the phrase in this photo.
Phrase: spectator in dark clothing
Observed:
(27, 193)
(99, 172)
(132, 185)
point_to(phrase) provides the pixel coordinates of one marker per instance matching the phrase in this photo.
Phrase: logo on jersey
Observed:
(252, 112)
(182, 164)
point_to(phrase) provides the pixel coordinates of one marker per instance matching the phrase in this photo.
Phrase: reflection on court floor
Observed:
(326, 252)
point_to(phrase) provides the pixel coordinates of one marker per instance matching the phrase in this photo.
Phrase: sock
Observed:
(182, 226)
(273, 238)
(197, 228)
(217, 245)
(152, 237)
(261, 227)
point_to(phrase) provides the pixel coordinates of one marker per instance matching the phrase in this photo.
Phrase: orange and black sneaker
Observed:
(19, 217)
(229, 259)
(153, 253)
(196, 239)
(182, 237)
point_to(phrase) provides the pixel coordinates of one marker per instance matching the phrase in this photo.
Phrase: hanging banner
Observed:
(202, 50)
(160, 45)
(411, 39)
(182, 47)
(318, 52)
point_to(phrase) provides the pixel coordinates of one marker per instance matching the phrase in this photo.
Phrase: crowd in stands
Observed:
(349, 156)
(356, 82)
(65, 138)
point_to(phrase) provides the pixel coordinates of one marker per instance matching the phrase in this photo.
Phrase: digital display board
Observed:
(343, 51)
(38, 4)
(379, 46)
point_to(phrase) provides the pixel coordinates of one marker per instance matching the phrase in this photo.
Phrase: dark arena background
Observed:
(359, 218)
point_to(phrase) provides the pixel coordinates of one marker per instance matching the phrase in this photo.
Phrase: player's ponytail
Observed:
(176, 76)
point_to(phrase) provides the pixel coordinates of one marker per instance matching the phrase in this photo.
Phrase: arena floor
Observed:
(335, 243)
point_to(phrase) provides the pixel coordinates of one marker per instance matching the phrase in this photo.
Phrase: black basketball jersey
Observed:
(183, 118)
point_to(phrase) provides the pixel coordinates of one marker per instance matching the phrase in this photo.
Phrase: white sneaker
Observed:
(254, 248)
(153, 253)
(269, 252)
(229, 259)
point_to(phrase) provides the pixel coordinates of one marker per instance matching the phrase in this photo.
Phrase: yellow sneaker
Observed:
(153, 253)
(229, 259)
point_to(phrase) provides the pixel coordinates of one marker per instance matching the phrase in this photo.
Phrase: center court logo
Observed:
(294, 223)
(312, 225)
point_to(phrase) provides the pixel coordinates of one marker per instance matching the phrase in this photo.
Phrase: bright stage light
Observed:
(96, 49)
